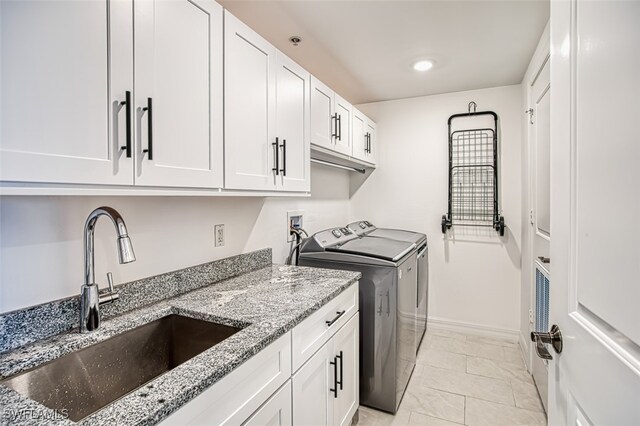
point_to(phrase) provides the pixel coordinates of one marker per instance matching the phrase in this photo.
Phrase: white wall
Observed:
(41, 237)
(475, 276)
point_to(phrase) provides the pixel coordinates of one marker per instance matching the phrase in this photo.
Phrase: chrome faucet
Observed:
(90, 298)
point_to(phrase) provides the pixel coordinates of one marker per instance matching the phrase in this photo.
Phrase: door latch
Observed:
(530, 112)
(554, 337)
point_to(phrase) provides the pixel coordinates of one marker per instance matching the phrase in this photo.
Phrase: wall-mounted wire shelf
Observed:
(473, 175)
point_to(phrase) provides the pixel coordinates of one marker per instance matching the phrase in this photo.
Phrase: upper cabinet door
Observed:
(323, 122)
(343, 121)
(359, 136)
(292, 103)
(372, 136)
(66, 68)
(250, 110)
(178, 97)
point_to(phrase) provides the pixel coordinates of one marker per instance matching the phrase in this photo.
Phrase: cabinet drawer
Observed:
(276, 411)
(234, 398)
(313, 332)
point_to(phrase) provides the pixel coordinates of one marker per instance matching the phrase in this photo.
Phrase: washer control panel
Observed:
(335, 236)
(361, 227)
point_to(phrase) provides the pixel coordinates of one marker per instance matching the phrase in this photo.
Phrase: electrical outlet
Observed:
(530, 316)
(218, 235)
(294, 219)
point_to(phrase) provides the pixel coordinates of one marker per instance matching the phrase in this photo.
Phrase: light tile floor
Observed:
(465, 380)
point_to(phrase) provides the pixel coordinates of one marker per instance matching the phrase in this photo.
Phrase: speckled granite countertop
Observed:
(268, 302)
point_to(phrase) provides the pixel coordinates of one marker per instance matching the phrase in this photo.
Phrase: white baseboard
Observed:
(525, 351)
(474, 329)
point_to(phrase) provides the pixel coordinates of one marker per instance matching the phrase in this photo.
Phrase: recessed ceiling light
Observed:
(423, 65)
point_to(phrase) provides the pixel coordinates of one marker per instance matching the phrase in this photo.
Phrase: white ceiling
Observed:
(365, 49)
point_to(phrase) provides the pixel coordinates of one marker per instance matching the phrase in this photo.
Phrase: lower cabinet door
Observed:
(345, 349)
(312, 384)
(276, 411)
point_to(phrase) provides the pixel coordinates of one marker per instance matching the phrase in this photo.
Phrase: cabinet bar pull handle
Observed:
(339, 126)
(149, 109)
(334, 125)
(369, 137)
(341, 371)
(284, 157)
(337, 317)
(127, 102)
(335, 377)
(277, 157)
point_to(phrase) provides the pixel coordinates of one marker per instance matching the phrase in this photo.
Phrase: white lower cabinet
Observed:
(276, 411)
(326, 388)
(346, 352)
(312, 402)
(322, 388)
(237, 396)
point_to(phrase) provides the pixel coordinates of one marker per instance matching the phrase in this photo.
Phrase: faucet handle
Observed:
(110, 281)
(111, 296)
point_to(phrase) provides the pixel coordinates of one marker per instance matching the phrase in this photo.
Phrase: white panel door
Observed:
(250, 108)
(312, 384)
(178, 94)
(66, 66)
(322, 114)
(346, 346)
(372, 139)
(595, 205)
(276, 411)
(359, 137)
(292, 103)
(343, 125)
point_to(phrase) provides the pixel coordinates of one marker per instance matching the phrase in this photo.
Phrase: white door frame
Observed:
(538, 61)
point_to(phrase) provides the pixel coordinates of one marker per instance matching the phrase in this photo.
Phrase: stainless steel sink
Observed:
(85, 381)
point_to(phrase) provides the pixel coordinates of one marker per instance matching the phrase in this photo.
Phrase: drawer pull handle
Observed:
(339, 314)
(341, 372)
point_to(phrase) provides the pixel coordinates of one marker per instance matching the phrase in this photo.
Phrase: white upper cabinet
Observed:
(266, 114)
(66, 68)
(322, 114)
(363, 137)
(343, 126)
(339, 127)
(358, 135)
(372, 136)
(292, 114)
(178, 93)
(70, 113)
(250, 109)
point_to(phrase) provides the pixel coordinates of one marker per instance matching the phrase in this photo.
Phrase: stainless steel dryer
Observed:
(387, 307)
(364, 227)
